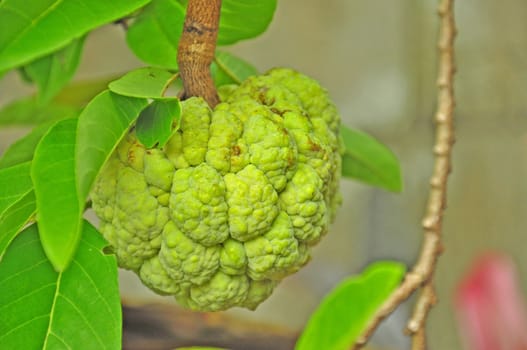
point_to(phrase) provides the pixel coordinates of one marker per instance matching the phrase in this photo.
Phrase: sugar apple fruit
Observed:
(235, 199)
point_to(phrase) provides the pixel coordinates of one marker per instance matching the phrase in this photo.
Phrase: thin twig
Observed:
(443, 150)
(425, 302)
(422, 272)
(196, 49)
(419, 339)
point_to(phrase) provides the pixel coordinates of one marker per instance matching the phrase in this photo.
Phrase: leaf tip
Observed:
(60, 253)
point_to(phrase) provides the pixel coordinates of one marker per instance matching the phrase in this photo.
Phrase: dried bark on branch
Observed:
(421, 276)
(162, 326)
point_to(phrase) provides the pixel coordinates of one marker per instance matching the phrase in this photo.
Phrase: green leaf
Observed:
(59, 206)
(345, 312)
(143, 82)
(154, 35)
(44, 309)
(23, 149)
(80, 93)
(244, 19)
(27, 111)
(102, 124)
(17, 201)
(15, 218)
(15, 183)
(33, 30)
(155, 123)
(55, 70)
(366, 159)
(229, 69)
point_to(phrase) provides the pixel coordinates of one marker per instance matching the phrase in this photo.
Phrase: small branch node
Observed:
(430, 223)
(412, 327)
(442, 83)
(441, 117)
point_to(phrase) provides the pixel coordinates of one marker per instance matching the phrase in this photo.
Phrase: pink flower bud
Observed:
(490, 307)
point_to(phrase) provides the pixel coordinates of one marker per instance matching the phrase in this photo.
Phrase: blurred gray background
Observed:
(377, 58)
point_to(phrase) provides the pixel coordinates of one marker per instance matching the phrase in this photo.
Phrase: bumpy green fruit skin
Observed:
(234, 201)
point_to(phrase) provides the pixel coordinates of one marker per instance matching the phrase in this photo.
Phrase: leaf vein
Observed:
(96, 286)
(16, 11)
(33, 22)
(23, 324)
(60, 339)
(26, 295)
(81, 314)
(52, 312)
(43, 261)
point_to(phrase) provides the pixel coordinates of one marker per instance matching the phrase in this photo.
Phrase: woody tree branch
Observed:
(196, 49)
(421, 275)
(432, 222)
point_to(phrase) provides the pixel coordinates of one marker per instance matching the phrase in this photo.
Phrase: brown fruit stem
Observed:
(196, 49)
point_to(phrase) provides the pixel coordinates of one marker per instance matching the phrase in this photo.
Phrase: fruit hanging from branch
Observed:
(235, 200)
